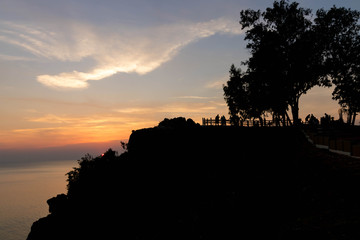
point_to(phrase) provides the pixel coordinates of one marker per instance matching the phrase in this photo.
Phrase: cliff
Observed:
(183, 181)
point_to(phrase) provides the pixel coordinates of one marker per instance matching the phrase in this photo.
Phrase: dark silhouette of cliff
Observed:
(182, 181)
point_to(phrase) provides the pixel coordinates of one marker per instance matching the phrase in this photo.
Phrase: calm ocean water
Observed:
(24, 191)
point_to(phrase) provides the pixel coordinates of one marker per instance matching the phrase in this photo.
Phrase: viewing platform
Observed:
(244, 123)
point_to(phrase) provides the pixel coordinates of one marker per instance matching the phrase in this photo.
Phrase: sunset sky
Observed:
(79, 71)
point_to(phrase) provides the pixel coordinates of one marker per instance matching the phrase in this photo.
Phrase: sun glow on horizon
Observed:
(51, 130)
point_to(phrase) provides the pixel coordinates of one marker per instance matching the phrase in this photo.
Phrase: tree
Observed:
(267, 82)
(243, 96)
(284, 55)
(236, 95)
(290, 54)
(339, 29)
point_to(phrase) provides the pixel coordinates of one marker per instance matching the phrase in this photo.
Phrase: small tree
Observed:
(237, 95)
(245, 99)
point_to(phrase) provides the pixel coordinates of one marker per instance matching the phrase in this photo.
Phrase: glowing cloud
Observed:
(129, 51)
(74, 79)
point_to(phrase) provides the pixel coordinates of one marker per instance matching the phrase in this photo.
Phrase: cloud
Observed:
(75, 79)
(172, 107)
(216, 84)
(194, 97)
(69, 45)
(81, 121)
(60, 129)
(122, 50)
(186, 108)
(15, 58)
(134, 110)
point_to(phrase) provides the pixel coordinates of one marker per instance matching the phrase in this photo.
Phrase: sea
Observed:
(24, 190)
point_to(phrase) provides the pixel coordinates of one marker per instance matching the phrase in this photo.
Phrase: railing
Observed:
(215, 122)
(244, 123)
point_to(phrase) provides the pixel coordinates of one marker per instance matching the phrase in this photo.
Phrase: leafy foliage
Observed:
(236, 94)
(89, 174)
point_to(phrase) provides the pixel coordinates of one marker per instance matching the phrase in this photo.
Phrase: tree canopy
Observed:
(290, 53)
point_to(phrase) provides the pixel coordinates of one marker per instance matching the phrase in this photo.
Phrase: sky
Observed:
(88, 71)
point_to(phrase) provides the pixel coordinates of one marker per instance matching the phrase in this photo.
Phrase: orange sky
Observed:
(39, 129)
(73, 124)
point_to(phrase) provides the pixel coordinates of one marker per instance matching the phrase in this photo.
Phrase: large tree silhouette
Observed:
(285, 53)
(291, 53)
(340, 30)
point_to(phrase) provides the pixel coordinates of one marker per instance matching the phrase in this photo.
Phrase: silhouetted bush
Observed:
(312, 121)
(179, 122)
(58, 205)
(326, 121)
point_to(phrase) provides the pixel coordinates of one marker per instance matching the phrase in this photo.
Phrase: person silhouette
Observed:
(217, 119)
(223, 121)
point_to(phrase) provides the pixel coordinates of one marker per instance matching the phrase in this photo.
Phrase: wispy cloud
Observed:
(123, 50)
(172, 107)
(217, 84)
(60, 129)
(41, 42)
(15, 58)
(186, 108)
(134, 110)
(195, 97)
(81, 121)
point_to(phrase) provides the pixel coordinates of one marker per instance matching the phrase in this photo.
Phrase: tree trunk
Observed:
(276, 119)
(261, 121)
(349, 117)
(284, 120)
(353, 118)
(295, 112)
(288, 118)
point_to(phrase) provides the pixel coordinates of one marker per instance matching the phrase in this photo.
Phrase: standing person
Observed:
(217, 119)
(223, 121)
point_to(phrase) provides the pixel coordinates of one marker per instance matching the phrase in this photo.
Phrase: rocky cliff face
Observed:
(181, 182)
